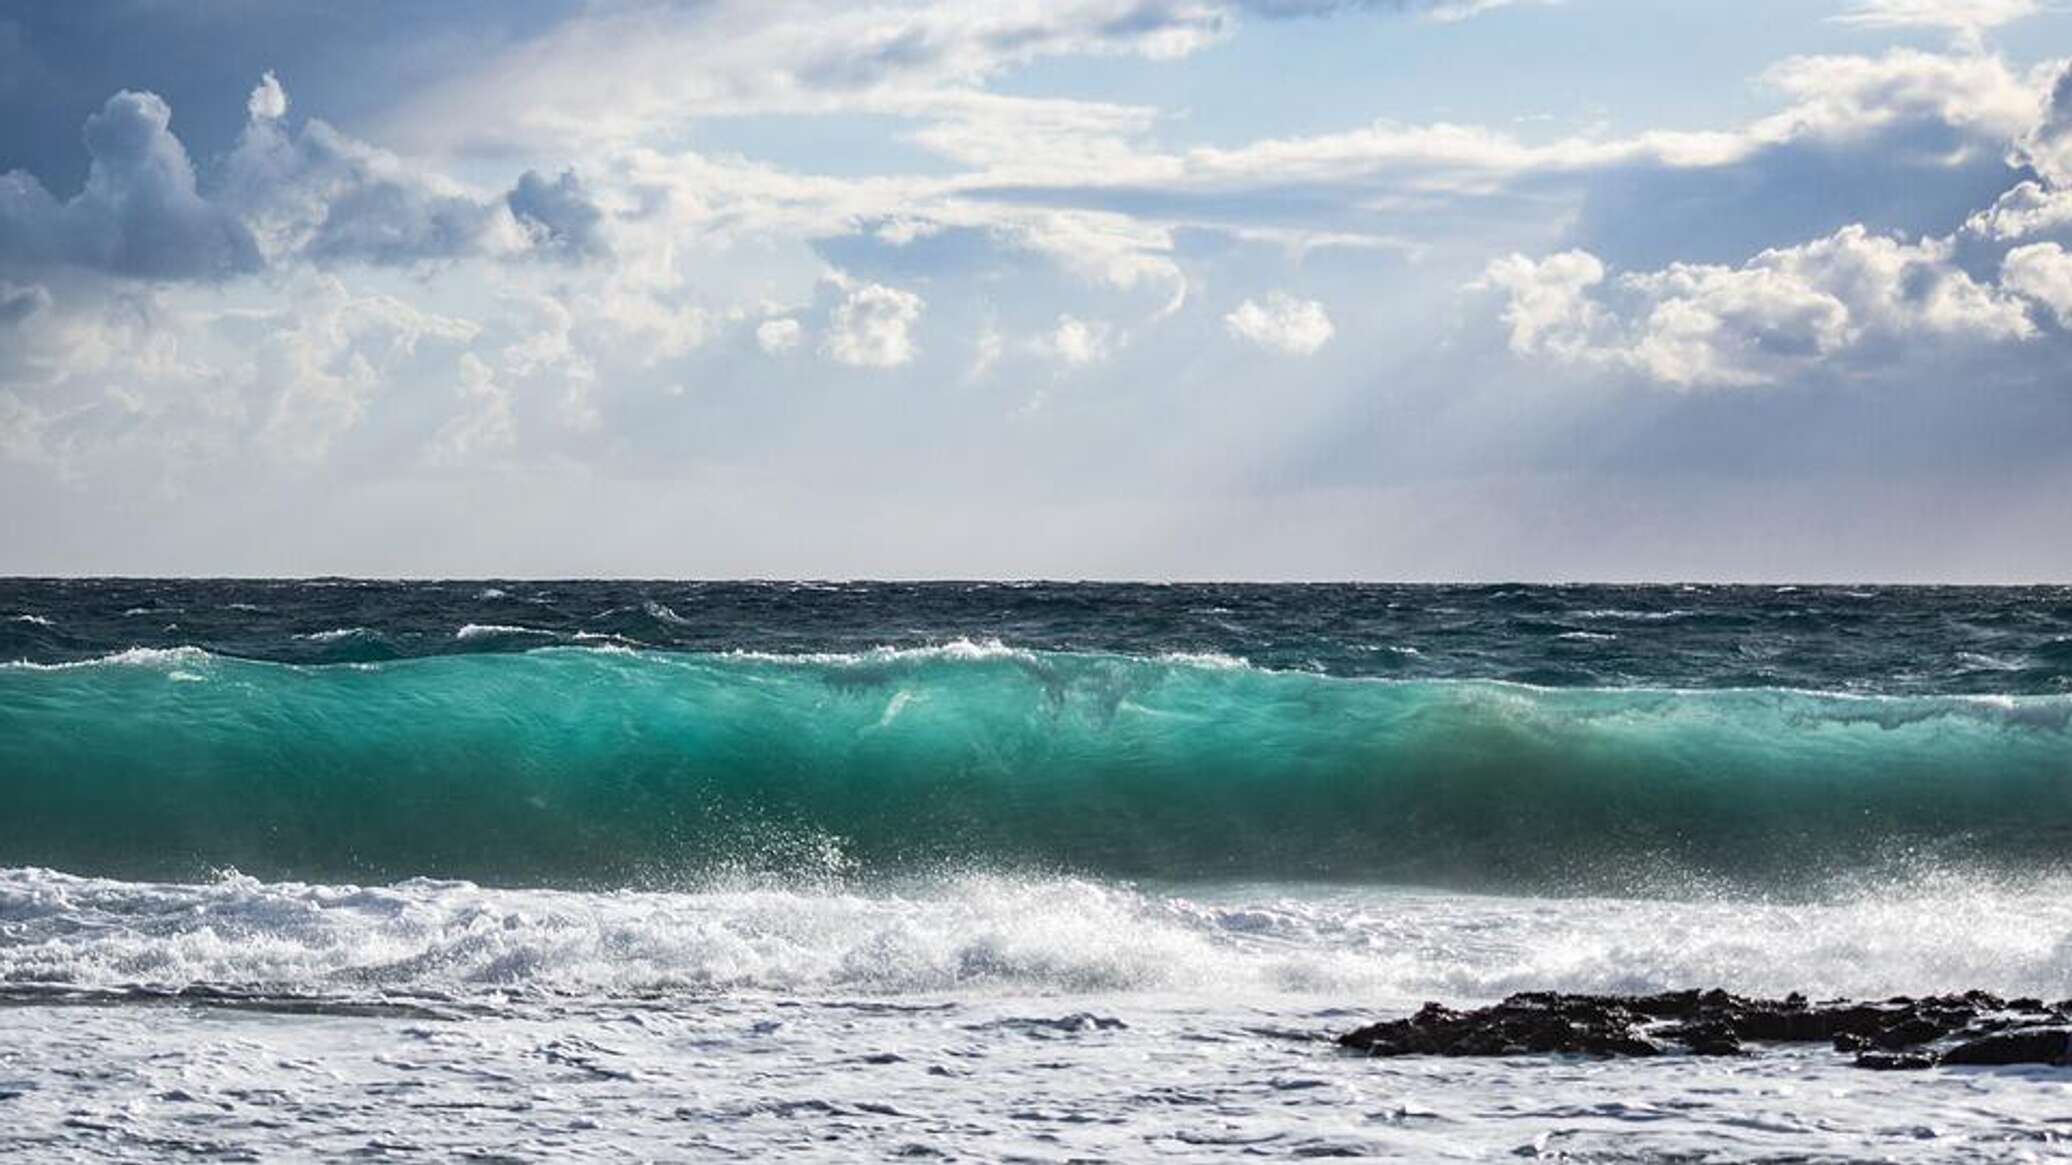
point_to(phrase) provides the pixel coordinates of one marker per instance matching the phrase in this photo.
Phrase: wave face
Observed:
(586, 767)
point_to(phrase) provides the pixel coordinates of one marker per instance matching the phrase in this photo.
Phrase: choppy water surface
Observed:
(634, 871)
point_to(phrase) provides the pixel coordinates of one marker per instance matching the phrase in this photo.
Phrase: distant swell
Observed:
(585, 767)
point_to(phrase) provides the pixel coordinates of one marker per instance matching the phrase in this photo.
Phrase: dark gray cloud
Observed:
(59, 60)
(559, 215)
(139, 213)
(19, 303)
(322, 195)
(398, 223)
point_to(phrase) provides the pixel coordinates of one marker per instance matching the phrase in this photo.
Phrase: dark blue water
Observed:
(1956, 640)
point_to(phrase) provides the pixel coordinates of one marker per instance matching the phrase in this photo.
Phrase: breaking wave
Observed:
(611, 767)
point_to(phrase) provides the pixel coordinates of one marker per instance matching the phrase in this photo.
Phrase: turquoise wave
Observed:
(568, 766)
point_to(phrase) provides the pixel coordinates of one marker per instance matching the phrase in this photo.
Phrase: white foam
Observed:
(1631, 616)
(335, 634)
(479, 630)
(37, 620)
(662, 613)
(1208, 659)
(156, 657)
(979, 933)
(955, 649)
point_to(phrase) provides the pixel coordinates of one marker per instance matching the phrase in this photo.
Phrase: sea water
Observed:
(525, 871)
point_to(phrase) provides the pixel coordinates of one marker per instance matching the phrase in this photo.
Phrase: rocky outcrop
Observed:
(1900, 1033)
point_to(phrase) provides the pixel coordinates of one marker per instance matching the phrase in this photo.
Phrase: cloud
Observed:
(2048, 147)
(872, 327)
(1548, 307)
(549, 351)
(268, 102)
(2043, 272)
(1783, 312)
(320, 195)
(328, 355)
(18, 303)
(1282, 322)
(2042, 205)
(139, 213)
(1961, 15)
(777, 335)
(2030, 208)
(1077, 343)
(485, 422)
(1439, 10)
(732, 60)
(559, 216)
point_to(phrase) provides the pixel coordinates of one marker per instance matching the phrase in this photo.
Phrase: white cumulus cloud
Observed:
(873, 327)
(2043, 272)
(1077, 343)
(268, 102)
(1282, 322)
(778, 335)
(1787, 309)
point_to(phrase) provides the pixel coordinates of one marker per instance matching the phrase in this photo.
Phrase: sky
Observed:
(1153, 289)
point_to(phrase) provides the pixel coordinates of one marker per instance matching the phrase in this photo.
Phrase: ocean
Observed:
(520, 870)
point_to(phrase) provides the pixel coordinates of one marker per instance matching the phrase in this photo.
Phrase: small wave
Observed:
(37, 620)
(129, 657)
(483, 630)
(1208, 659)
(955, 649)
(661, 613)
(1983, 662)
(492, 593)
(1586, 636)
(335, 634)
(1628, 615)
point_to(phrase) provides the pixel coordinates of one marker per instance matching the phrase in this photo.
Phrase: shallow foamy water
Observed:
(979, 1015)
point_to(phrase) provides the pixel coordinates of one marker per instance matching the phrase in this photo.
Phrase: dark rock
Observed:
(1897, 1033)
(2034, 1045)
(1706, 1037)
(1910, 1031)
(1520, 1025)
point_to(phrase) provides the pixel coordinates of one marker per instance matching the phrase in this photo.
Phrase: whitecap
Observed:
(1216, 660)
(479, 630)
(128, 657)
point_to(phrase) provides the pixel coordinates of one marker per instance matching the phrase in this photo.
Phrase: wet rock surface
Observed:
(1894, 1034)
